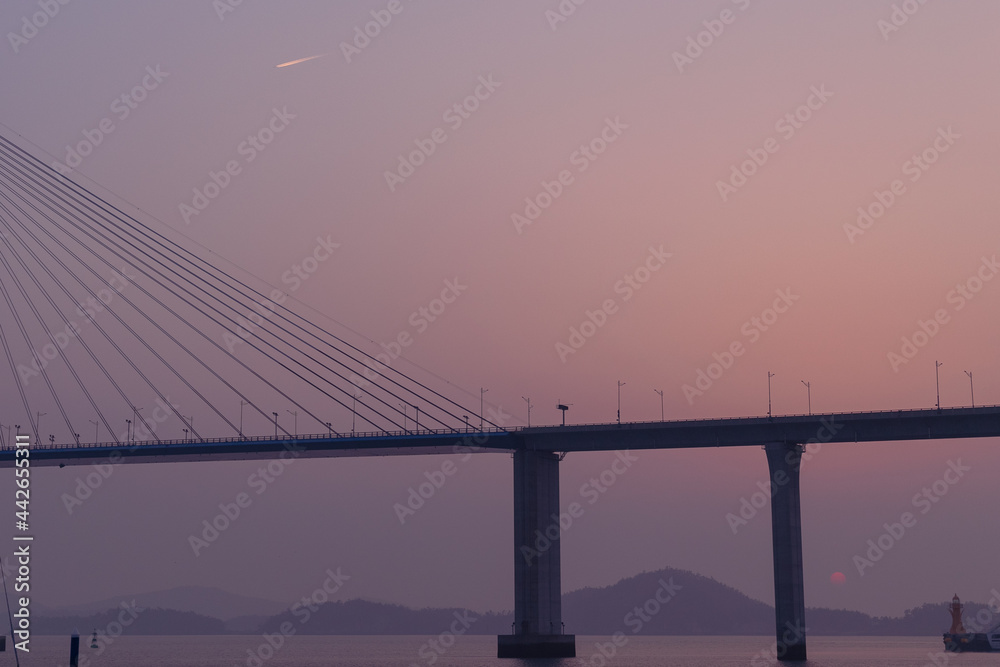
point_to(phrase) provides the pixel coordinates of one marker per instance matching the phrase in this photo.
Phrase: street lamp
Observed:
(937, 381)
(242, 403)
(466, 418)
(482, 394)
(128, 430)
(809, 395)
(403, 408)
(295, 421)
(620, 385)
(972, 389)
(275, 424)
(660, 392)
(38, 423)
(769, 376)
(528, 401)
(97, 427)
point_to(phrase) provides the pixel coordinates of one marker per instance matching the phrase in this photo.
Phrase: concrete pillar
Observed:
(783, 461)
(538, 631)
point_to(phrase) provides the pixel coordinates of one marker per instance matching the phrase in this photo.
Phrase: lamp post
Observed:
(38, 423)
(275, 424)
(937, 381)
(128, 430)
(185, 434)
(482, 394)
(660, 392)
(809, 395)
(972, 389)
(295, 421)
(528, 401)
(466, 418)
(620, 385)
(97, 427)
(403, 408)
(242, 403)
(329, 428)
(769, 376)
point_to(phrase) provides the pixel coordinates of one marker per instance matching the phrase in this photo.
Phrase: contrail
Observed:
(301, 60)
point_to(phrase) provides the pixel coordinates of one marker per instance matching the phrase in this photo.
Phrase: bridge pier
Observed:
(783, 461)
(538, 631)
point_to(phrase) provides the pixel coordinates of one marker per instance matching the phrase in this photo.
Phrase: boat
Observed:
(959, 640)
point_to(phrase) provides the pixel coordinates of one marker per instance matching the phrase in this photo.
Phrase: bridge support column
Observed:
(783, 461)
(538, 631)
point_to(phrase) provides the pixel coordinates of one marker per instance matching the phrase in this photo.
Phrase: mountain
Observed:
(664, 602)
(203, 600)
(144, 622)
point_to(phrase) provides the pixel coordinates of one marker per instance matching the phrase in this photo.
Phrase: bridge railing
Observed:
(312, 437)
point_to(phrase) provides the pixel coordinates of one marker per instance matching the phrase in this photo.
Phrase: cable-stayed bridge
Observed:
(111, 322)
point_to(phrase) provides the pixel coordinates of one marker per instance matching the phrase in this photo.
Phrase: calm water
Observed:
(478, 651)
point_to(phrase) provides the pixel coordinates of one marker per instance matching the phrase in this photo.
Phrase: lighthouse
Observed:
(956, 617)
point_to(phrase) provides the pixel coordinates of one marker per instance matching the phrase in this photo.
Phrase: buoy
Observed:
(93, 640)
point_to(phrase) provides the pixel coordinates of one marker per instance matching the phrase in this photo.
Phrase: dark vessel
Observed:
(958, 640)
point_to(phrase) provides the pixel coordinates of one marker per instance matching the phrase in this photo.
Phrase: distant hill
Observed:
(212, 602)
(699, 606)
(146, 622)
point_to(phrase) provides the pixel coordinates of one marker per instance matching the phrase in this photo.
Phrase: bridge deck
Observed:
(730, 432)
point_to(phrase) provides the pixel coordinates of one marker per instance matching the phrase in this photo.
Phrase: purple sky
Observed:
(875, 105)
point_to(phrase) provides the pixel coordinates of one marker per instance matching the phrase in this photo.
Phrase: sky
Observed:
(811, 184)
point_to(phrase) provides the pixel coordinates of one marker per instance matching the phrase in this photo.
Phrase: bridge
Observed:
(117, 299)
